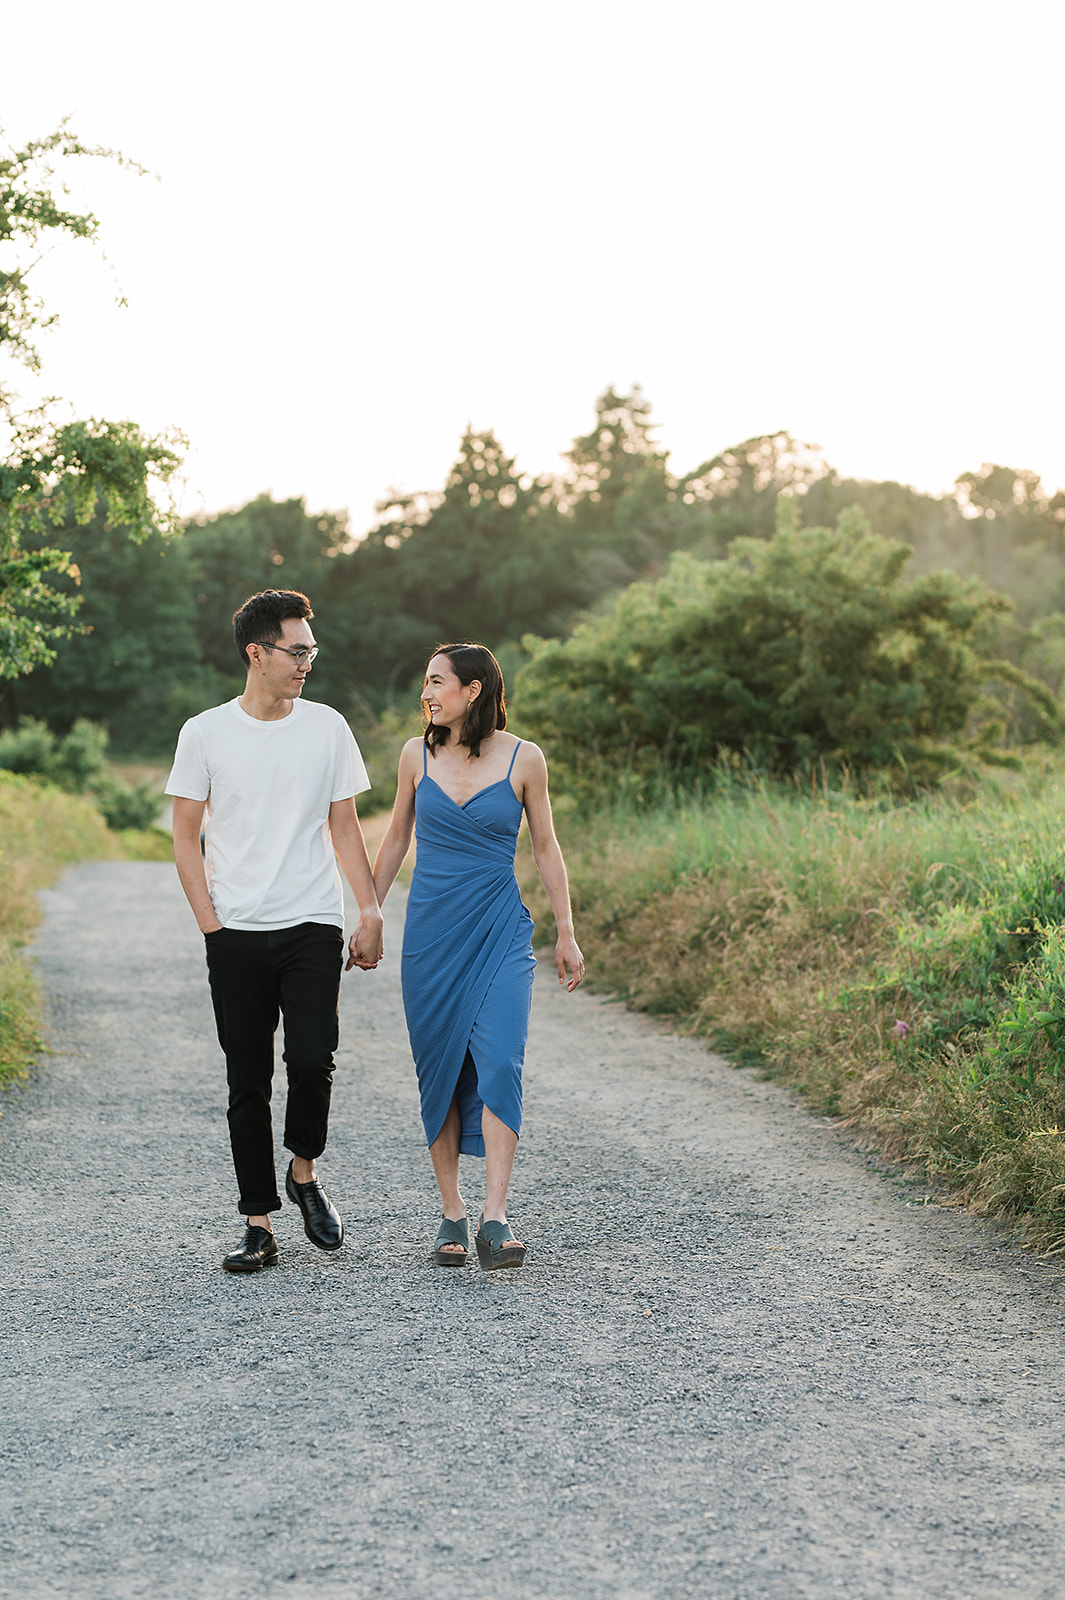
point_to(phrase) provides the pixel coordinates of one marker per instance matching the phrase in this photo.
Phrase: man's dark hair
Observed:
(488, 712)
(259, 620)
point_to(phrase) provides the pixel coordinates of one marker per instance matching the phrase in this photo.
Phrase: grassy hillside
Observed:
(904, 966)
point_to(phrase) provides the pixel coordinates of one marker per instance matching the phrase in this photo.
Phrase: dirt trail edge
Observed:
(739, 1363)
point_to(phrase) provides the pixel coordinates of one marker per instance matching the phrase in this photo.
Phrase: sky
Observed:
(370, 225)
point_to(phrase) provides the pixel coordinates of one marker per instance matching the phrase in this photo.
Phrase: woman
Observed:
(467, 945)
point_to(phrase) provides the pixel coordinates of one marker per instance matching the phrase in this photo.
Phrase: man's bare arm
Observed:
(188, 858)
(366, 945)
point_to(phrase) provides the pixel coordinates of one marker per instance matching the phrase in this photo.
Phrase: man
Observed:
(277, 777)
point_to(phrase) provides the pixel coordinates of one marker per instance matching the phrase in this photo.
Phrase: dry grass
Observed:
(873, 955)
(41, 831)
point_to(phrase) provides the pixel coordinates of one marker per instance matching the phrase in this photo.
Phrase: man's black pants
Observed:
(256, 979)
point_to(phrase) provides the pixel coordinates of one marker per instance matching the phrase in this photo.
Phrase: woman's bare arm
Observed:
(396, 842)
(532, 768)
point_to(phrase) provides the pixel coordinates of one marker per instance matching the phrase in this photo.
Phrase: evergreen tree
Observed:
(486, 559)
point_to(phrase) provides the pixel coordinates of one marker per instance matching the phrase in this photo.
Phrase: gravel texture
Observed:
(740, 1362)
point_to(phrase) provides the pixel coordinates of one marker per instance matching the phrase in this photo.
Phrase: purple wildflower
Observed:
(902, 1029)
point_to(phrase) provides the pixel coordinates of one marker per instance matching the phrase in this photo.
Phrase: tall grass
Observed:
(42, 830)
(904, 965)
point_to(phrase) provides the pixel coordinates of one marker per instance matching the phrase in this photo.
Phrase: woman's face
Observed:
(445, 696)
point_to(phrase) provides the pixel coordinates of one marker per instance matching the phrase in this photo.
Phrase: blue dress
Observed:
(467, 958)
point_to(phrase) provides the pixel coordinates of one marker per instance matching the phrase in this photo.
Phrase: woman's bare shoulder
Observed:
(530, 757)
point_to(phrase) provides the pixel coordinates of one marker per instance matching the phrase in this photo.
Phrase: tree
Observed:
(50, 473)
(266, 544)
(612, 461)
(735, 493)
(134, 662)
(618, 494)
(486, 559)
(803, 648)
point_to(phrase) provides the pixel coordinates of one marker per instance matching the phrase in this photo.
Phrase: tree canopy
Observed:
(499, 555)
(55, 473)
(803, 648)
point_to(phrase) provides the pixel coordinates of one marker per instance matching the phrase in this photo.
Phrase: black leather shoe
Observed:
(321, 1219)
(257, 1249)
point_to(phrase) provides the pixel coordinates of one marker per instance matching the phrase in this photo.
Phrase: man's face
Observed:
(278, 673)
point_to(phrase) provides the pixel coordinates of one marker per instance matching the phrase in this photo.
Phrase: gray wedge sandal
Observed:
(497, 1246)
(452, 1233)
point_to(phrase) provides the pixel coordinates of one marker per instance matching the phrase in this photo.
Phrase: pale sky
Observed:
(375, 223)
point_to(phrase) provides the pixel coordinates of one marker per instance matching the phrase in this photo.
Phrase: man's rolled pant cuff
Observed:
(256, 1208)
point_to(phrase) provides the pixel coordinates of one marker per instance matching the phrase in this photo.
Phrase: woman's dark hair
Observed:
(488, 713)
(259, 619)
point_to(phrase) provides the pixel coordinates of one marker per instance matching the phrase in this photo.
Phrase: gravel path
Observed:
(740, 1363)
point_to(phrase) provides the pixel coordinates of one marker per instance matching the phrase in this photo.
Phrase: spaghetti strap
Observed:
(425, 758)
(513, 758)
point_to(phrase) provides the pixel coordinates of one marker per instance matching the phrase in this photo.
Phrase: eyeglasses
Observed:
(299, 653)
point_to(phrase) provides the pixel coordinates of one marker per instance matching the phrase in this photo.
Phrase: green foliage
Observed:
(52, 474)
(902, 964)
(135, 662)
(999, 525)
(80, 757)
(145, 843)
(498, 555)
(801, 650)
(267, 544)
(73, 763)
(618, 497)
(29, 212)
(127, 808)
(29, 748)
(486, 559)
(41, 831)
(736, 494)
(381, 737)
(77, 764)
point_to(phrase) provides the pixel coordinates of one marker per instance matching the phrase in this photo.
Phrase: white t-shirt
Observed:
(268, 788)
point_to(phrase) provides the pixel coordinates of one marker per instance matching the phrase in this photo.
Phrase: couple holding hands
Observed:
(276, 777)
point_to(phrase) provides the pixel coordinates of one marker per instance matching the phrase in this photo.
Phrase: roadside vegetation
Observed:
(78, 764)
(43, 830)
(903, 965)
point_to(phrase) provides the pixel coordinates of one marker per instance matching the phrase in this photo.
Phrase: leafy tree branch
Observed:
(54, 473)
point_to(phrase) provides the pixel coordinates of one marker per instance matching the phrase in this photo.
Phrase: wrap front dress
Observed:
(467, 964)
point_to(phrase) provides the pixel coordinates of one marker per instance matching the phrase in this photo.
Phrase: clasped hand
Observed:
(366, 945)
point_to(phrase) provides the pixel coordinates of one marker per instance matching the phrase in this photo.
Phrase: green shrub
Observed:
(802, 651)
(78, 764)
(29, 749)
(124, 807)
(81, 757)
